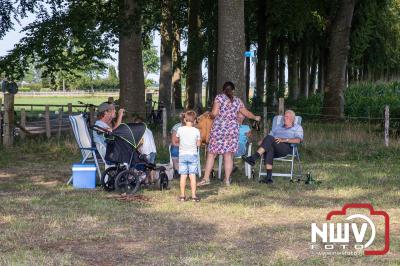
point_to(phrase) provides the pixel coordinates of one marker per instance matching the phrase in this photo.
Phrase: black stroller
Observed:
(130, 166)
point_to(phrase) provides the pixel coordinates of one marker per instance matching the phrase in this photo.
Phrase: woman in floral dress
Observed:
(225, 130)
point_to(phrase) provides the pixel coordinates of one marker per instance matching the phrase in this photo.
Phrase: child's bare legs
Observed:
(183, 184)
(193, 184)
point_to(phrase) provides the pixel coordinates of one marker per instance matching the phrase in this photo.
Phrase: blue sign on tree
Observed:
(249, 54)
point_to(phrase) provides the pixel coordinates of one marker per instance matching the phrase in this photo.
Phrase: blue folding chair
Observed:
(291, 158)
(88, 150)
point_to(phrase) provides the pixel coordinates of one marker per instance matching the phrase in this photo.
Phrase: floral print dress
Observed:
(224, 134)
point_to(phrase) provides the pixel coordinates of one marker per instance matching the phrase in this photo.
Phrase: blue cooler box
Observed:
(84, 175)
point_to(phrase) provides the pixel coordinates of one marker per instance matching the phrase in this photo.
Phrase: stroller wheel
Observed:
(163, 181)
(108, 178)
(127, 181)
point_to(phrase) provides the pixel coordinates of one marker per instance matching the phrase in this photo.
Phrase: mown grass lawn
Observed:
(43, 221)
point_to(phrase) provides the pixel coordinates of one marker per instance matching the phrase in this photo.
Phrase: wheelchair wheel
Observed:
(162, 182)
(108, 178)
(127, 181)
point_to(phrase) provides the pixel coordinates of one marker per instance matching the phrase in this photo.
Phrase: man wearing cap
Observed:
(105, 116)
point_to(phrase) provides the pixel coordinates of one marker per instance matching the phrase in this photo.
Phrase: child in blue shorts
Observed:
(189, 141)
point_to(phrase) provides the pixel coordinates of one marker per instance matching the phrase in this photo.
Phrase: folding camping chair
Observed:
(198, 155)
(247, 167)
(292, 157)
(84, 140)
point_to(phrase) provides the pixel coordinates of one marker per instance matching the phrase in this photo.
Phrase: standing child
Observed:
(189, 141)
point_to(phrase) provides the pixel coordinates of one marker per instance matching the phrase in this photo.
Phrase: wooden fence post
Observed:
(281, 109)
(91, 110)
(47, 118)
(387, 125)
(60, 120)
(8, 137)
(23, 123)
(265, 120)
(164, 125)
(69, 108)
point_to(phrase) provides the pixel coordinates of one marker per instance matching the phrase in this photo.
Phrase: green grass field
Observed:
(45, 222)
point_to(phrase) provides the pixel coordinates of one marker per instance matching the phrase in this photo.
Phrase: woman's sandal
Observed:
(196, 199)
(203, 182)
(182, 198)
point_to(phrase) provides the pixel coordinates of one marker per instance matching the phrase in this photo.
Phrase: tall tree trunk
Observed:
(339, 46)
(130, 62)
(231, 45)
(177, 68)
(194, 57)
(247, 76)
(321, 69)
(212, 58)
(350, 74)
(261, 49)
(282, 68)
(215, 74)
(293, 71)
(304, 70)
(313, 71)
(166, 55)
(210, 74)
(272, 80)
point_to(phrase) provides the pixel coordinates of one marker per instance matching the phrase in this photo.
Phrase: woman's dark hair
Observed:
(228, 89)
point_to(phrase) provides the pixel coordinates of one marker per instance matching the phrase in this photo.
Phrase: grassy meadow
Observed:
(45, 222)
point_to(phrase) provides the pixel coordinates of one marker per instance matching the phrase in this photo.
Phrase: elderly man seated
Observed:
(105, 120)
(277, 144)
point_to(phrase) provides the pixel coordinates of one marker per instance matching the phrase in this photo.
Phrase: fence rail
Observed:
(67, 93)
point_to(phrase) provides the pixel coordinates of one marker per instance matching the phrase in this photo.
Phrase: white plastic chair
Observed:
(247, 167)
(84, 141)
(292, 157)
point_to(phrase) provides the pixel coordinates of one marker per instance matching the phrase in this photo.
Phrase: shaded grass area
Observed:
(43, 221)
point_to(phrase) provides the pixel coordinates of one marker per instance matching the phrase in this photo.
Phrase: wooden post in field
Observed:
(91, 110)
(60, 119)
(47, 119)
(110, 99)
(387, 125)
(8, 137)
(69, 108)
(23, 123)
(164, 125)
(265, 121)
(281, 109)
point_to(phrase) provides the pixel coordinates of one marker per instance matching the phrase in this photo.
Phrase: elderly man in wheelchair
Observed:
(277, 144)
